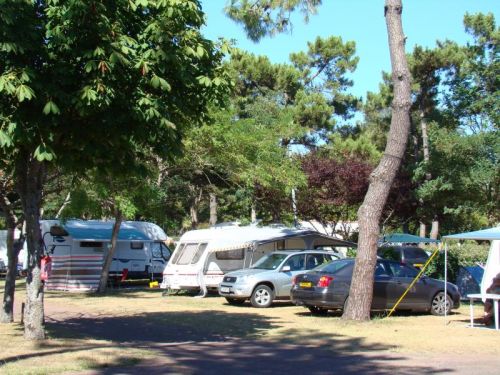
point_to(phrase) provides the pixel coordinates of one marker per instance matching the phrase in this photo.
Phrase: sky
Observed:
(424, 22)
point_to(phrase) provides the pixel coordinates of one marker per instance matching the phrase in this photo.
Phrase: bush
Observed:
(459, 255)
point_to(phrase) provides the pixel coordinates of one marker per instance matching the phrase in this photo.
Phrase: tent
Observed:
(406, 238)
(469, 280)
(492, 267)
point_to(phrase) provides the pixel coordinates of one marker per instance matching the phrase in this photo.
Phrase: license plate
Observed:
(305, 284)
(419, 265)
(225, 289)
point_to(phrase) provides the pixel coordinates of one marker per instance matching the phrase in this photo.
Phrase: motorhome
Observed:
(78, 248)
(202, 257)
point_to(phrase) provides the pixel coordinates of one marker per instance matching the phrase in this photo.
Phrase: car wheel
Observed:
(440, 304)
(235, 301)
(262, 296)
(317, 310)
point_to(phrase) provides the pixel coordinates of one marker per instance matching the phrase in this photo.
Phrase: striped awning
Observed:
(242, 245)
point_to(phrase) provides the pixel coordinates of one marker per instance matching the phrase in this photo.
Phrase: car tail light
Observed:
(294, 280)
(324, 281)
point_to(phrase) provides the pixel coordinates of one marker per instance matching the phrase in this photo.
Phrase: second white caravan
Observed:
(202, 257)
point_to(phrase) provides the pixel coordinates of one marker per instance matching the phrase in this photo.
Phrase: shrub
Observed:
(469, 253)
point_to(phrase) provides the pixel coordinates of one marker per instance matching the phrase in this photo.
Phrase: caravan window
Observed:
(187, 253)
(90, 244)
(199, 253)
(237, 254)
(178, 253)
(137, 245)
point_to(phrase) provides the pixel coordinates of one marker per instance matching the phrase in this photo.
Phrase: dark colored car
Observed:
(411, 255)
(327, 288)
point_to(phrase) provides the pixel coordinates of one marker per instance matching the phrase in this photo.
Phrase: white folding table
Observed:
(494, 297)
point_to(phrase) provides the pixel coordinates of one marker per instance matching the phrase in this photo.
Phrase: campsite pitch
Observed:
(141, 331)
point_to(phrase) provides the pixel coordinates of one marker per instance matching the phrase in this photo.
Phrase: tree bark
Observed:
(435, 229)
(103, 282)
(193, 209)
(13, 249)
(30, 175)
(7, 313)
(361, 291)
(213, 209)
(253, 214)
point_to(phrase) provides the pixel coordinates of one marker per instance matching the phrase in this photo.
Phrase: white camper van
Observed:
(202, 257)
(141, 248)
(22, 259)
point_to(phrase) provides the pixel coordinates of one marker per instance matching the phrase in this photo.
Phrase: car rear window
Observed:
(389, 253)
(413, 252)
(335, 266)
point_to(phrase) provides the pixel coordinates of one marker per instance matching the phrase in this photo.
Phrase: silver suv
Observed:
(271, 276)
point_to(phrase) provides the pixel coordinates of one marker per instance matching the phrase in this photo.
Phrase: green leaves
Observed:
(51, 107)
(44, 153)
(24, 92)
(5, 139)
(157, 82)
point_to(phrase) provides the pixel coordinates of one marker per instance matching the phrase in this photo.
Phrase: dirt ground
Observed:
(142, 331)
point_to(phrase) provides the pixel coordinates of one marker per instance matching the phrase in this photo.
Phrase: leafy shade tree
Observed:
(474, 85)
(465, 190)
(92, 84)
(238, 154)
(267, 17)
(335, 189)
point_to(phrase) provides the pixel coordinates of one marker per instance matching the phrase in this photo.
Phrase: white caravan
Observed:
(22, 259)
(202, 257)
(141, 247)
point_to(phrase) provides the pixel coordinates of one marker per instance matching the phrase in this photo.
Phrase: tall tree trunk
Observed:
(213, 209)
(193, 210)
(30, 179)
(13, 249)
(103, 282)
(361, 291)
(435, 229)
(7, 313)
(423, 230)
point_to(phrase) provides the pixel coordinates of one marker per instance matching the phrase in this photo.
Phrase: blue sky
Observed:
(424, 22)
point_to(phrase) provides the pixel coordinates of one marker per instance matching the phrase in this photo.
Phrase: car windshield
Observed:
(269, 262)
(334, 266)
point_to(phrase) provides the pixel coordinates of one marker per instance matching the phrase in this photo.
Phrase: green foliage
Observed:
(474, 85)
(267, 17)
(459, 255)
(467, 170)
(106, 76)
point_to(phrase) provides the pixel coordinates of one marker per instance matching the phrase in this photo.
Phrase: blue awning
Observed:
(85, 232)
(490, 234)
(406, 238)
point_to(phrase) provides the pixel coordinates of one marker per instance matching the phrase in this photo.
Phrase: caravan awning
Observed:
(82, 232)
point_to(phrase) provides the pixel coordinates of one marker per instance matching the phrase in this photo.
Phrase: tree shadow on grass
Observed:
(163, 327)
(214, 342)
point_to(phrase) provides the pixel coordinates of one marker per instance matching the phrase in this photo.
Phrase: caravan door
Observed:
(160, 255)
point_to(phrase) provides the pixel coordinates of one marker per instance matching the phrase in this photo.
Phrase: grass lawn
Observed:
(88, 332)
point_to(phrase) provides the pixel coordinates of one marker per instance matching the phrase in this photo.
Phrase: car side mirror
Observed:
(286, 269)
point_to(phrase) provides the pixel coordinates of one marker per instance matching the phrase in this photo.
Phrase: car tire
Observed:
(315, 310)
(439, 303)
(235, 301)
(262, 296)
